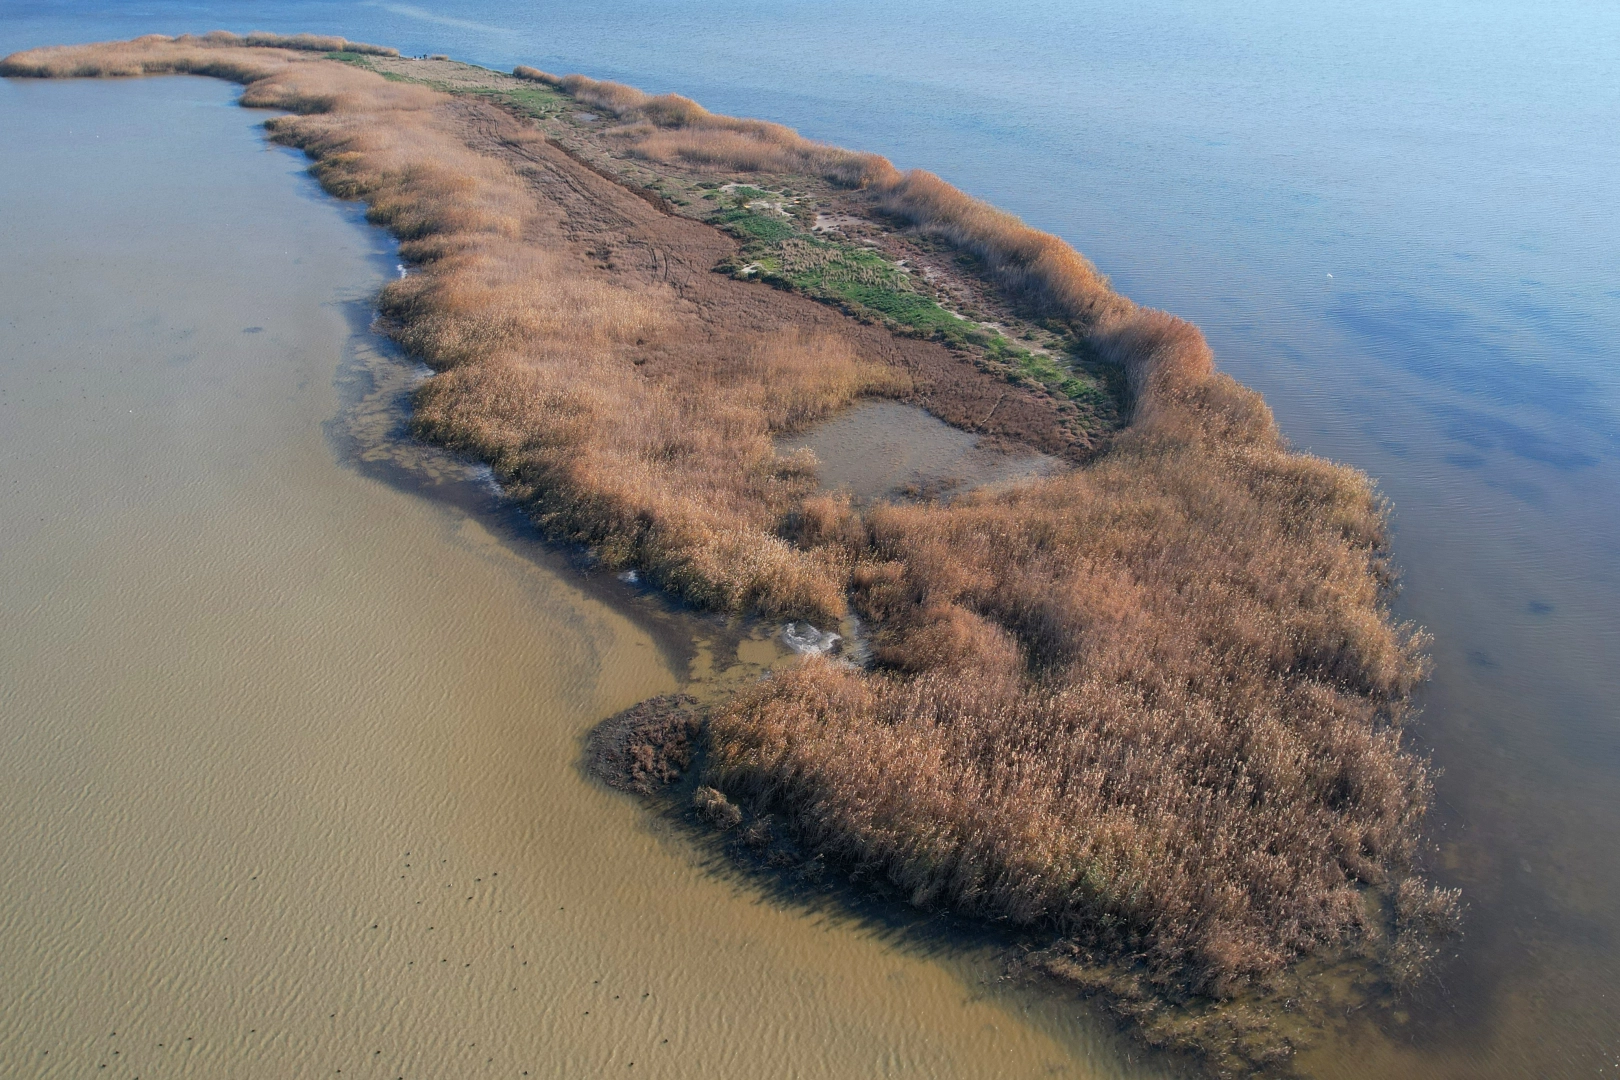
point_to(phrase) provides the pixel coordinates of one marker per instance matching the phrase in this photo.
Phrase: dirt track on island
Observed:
(618, 236)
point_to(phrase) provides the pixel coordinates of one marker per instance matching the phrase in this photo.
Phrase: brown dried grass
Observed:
(1156, 703)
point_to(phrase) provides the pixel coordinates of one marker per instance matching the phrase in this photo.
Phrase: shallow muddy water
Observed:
(291, 713)
(888, 449)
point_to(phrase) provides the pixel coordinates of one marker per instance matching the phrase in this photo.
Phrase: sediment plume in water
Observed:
(1151, 705)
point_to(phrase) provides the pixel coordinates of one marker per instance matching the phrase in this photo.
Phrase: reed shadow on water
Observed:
(985, 958)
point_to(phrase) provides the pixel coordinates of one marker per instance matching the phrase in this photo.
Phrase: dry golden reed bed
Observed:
(1154, 703)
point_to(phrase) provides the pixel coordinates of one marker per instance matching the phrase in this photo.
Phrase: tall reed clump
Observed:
(1155, 704)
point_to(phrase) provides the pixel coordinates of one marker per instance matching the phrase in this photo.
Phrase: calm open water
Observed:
(1397, 221)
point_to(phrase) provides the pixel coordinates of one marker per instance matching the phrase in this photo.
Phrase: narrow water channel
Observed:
(291, 718)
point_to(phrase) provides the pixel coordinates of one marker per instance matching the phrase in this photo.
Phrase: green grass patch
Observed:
(846, 274)
(777, 251)
(1047, 371)
(750, 225)
(905, 307)
(852, 276)
(533, 101)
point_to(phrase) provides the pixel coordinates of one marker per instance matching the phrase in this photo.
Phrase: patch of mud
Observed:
(836, 222)
(887, 450)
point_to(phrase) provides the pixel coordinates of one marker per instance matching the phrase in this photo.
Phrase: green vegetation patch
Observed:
(776, 251)
(1074, 385)
(533, 101)
(907, 308)
(748, 225)
(863, 280)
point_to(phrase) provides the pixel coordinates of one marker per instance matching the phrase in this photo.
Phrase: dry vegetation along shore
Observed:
(1151, 707)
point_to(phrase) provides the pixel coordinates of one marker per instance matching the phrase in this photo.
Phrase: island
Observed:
(1143, 711)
